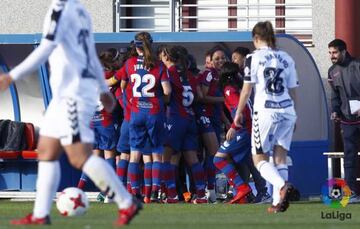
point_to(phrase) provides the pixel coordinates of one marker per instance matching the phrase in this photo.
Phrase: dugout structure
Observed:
(28, 98)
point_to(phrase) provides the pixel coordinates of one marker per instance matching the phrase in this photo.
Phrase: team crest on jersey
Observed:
(169, 126)
(238, 138)
(227, 92)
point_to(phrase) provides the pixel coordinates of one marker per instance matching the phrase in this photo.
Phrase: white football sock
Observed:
(270, 173)
(105, 179)
(276, 195)
(46, 185)
(283, 171)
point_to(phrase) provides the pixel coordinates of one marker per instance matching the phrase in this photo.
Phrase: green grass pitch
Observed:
(155, 216)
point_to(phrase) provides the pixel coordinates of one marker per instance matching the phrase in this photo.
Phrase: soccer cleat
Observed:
(242, 191)
(274, 209)
(100, 197)
(30, 220)
(173, 200)
(147, 200)
(108, 200)
(285, 192)
(262, 198)
(200, 200)
(126, 215)
(154, 197)
(187, 197)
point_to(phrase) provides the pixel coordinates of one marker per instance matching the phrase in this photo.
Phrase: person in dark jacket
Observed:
(344, 80)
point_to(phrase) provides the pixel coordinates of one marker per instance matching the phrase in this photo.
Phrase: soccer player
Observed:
(77, 81)
(210, 112)
(150, 86)
(181, 124)
(103, 122)
(272, 72)
(237, 145)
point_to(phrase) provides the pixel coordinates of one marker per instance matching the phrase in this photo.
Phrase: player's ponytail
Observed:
(178, 55)
(264, 30)
(143, 41)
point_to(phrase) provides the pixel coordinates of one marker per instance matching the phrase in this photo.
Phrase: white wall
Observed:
(19, 16)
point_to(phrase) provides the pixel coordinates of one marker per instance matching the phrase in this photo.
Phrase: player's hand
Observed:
(108, 101)
(230, 134)
(238, 118)
(5, 81)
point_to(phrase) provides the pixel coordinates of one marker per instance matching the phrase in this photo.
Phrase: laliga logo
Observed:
(335, 193)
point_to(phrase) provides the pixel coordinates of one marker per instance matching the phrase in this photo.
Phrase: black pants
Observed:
(351, 138)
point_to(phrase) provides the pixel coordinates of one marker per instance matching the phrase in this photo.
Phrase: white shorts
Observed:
(270, 129)
(68, 120)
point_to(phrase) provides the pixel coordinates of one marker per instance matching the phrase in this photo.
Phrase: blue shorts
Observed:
(123, 145)
(145, 127)
(182, 134)
(207, 125)
(239, 144)
(105, 137)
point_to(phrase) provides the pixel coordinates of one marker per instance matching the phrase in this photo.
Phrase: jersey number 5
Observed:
(149, 81)
(188, 96)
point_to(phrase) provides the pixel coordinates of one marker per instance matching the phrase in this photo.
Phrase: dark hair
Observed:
(178, 55)
(143, 40)
(215, 49)
(229, 75)
(192, 65)
(338, 43)
(242, 51)
(108, 57)
(264, 30)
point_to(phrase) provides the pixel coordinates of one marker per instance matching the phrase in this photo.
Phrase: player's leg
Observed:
(49, 151)
(104, 178)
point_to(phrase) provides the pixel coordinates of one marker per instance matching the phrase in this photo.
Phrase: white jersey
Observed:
(273, 73)
(68, 43)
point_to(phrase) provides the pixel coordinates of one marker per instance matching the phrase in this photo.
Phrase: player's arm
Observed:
(207, 98)
(250, 72)
(166, 86)
(292, 93)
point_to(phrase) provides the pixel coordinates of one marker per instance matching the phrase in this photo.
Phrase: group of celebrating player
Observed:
(167, 106)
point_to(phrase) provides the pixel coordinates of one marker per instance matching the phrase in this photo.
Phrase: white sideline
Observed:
(30, 196)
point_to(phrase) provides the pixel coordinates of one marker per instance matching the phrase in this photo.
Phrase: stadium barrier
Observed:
(331, 156)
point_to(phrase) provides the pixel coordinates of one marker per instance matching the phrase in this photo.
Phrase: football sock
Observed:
(121, 170)
(156, 179)
(82, 181)
(111, 161)
(283, 171)
(229, 170)
(147, 178)
(199, 178)
(46, 185)
(270, 173)
(105, 179)
(210, 172)
(133, 177)
(169, 178)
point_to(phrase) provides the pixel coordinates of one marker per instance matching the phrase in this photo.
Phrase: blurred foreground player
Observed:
(76, 81)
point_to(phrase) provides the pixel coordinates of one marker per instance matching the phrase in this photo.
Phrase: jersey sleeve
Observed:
(250, 70)
(293, 80)
(55, 22)
(121, 73)
(207, 78)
